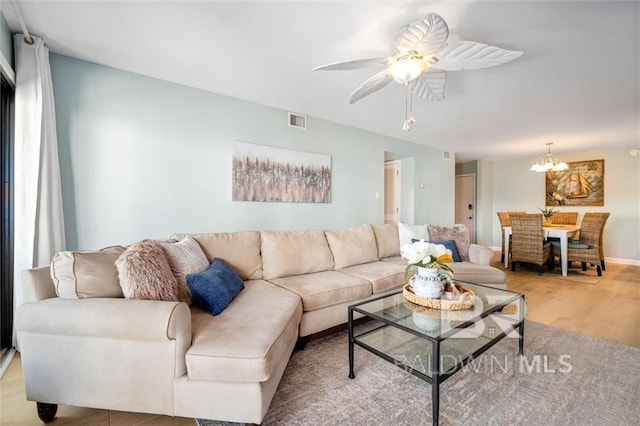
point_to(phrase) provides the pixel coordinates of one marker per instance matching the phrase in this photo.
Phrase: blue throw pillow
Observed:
(451, 245)
(215, 287)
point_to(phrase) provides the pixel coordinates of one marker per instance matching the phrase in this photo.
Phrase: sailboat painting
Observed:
(582, 184)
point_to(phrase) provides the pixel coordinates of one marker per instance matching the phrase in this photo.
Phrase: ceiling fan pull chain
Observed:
(407, 120)
(411, 118)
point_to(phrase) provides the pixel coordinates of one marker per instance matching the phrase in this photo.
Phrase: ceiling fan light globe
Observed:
(406, 70)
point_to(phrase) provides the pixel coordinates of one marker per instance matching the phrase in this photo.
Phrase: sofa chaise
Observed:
(166, 357)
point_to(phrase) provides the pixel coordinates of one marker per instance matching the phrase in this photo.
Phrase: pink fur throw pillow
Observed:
(144, 273)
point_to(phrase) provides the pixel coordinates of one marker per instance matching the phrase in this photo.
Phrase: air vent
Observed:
(446, 155)
(298, 121)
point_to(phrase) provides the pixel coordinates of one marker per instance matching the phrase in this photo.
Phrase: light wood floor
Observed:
(609, 309)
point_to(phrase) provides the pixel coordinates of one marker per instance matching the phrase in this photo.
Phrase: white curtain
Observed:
(39, 222)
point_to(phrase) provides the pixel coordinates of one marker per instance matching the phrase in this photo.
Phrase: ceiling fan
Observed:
(419, 61)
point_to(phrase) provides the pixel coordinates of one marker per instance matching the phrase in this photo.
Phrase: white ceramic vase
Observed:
(426, 322)
(426, 283)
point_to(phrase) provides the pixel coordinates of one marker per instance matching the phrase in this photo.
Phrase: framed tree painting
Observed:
(265, 173)
(582, 184)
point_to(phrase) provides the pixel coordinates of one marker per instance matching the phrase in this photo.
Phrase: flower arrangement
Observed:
(426, 255)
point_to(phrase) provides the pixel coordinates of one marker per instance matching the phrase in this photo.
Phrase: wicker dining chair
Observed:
(588, 249)
(527, 241)
(564, 218)
(503, 217)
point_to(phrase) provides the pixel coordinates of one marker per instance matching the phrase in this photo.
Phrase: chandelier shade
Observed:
(548, 163)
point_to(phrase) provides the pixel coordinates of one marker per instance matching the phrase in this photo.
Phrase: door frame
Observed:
(473, 231)
(398, 189)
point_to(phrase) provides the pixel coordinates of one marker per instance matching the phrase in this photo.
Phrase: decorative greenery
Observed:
(547, 213)
(426, 255)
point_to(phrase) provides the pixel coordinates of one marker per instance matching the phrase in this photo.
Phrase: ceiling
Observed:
(577, 83)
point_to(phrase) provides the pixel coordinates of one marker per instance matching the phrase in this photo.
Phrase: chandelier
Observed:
(548, 163)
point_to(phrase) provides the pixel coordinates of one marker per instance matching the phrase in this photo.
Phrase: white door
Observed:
(392, 191)
(466, 202)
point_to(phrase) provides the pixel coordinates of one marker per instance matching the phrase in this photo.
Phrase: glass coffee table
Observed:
(434, 344)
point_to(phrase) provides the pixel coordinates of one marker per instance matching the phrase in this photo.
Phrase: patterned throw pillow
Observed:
(458, 233)
(185, 257)
(144, 273)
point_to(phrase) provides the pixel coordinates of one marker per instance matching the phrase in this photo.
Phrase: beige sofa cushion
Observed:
(248, 339)
(352, 246)
(478, 274)
(466, 271)
(240, 250)
(326, 288)
(383, 276)
(397, 260)
(387, 240)
(294, 253)
(82, 274)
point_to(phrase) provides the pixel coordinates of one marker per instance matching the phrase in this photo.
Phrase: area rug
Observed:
(564, 378)
(575, 274)
(590, 276)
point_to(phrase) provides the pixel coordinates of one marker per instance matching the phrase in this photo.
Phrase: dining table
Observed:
(562, 232)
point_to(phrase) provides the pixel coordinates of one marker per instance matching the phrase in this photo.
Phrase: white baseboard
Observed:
(622, 261)
(606, 259)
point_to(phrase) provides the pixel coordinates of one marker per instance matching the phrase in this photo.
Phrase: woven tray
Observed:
(444, 314)
(465, 301)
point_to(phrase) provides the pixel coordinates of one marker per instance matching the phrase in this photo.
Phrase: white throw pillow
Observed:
(408, 232)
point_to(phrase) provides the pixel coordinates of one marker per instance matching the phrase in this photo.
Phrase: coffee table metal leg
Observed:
(521, 309)
(351, 375)
(435, 382)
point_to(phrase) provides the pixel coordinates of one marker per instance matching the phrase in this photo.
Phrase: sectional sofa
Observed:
(171, 358)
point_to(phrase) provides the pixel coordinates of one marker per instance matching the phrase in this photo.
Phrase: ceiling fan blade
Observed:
(373, 84)
(354, 64)
(430, 85)
(426, 37)
(471, 55)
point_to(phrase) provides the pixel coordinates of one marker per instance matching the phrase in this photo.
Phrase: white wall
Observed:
(142, 158)
(484, 203)
(407, 204)
(517, 188)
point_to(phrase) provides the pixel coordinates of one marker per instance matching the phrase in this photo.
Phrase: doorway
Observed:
(392, 191)
(466, 202)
